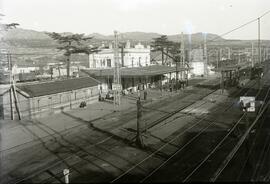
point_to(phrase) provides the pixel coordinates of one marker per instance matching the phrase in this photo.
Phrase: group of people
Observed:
(174, 85)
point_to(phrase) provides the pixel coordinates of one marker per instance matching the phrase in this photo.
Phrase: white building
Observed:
(61, 71)
(197, 62)
(24, 69)
(138, 56)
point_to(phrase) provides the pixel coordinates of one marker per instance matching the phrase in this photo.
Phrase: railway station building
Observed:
(131, 78)
(137, 56)
(136, 68)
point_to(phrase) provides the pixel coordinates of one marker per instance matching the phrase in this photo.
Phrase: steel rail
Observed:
(235, 149)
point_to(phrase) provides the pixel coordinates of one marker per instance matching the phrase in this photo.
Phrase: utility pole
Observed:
(16, 99)
(259, 39)
(252, 54)
(239, 56)
(122, 55)
(68, 62)
(217, 58)
(116, 76)
(13, 90)
(205, 57)
(229, 53)
(182, 54)
(10, 90)
(220, 54)
(139, 140)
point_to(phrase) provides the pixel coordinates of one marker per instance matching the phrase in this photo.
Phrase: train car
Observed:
(256, 72)
(265, 73)
(244, 77)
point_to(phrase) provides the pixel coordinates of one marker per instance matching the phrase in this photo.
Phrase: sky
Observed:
(160, 16)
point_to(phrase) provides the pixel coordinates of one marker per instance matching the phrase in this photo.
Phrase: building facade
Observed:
(138, 56)
(197, 62)
(132, 78)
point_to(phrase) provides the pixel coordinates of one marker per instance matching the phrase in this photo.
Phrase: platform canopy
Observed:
(135, 71)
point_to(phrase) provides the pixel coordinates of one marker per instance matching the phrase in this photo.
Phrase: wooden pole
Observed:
(139, 140)
(222, 82)
(16, 101)
(259, 40)
(10, 90)
(11, 104)
(68, 61)
(13, 88)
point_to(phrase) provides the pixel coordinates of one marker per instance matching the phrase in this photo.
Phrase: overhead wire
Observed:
(206, 158)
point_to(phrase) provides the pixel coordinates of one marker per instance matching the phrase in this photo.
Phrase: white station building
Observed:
(137, 56)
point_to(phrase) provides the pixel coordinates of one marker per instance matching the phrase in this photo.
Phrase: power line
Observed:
(240, 142)
(267, 12)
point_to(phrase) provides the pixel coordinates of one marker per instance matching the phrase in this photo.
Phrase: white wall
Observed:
(133, 57)
(18, 70)
(198, 68)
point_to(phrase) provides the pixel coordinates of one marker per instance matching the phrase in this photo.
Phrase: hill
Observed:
(25, 34)
(34, 39)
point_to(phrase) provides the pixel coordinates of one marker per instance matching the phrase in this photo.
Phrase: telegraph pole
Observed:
(182, 54)
(252, 54)
(139, 140)
(13, 90)
(229, 53)
(10, 83)
(217, 58)
(239, 56)
(116, 76)
(259, 39)
(220, 54)
(205, 57)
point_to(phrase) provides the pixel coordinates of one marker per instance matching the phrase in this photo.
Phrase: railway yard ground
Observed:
(187, 136)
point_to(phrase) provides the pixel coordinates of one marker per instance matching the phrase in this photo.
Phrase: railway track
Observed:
(81, 152)
(146, 178)
(62, 142)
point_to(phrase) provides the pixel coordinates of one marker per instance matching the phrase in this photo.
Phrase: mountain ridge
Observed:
(23, 34)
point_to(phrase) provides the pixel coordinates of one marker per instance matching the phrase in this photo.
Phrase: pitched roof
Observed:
(53, 87)
(133, 72)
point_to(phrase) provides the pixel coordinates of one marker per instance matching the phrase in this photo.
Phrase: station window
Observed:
(109, 63)
(140, 61)
(94, 63)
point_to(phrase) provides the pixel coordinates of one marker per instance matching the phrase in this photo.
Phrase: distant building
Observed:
(138, 56)
(37, 99)
(24, 69)
(197, 62)
(61, 71)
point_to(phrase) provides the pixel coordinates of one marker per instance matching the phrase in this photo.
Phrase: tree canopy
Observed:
(72, 44)
(166, 47)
